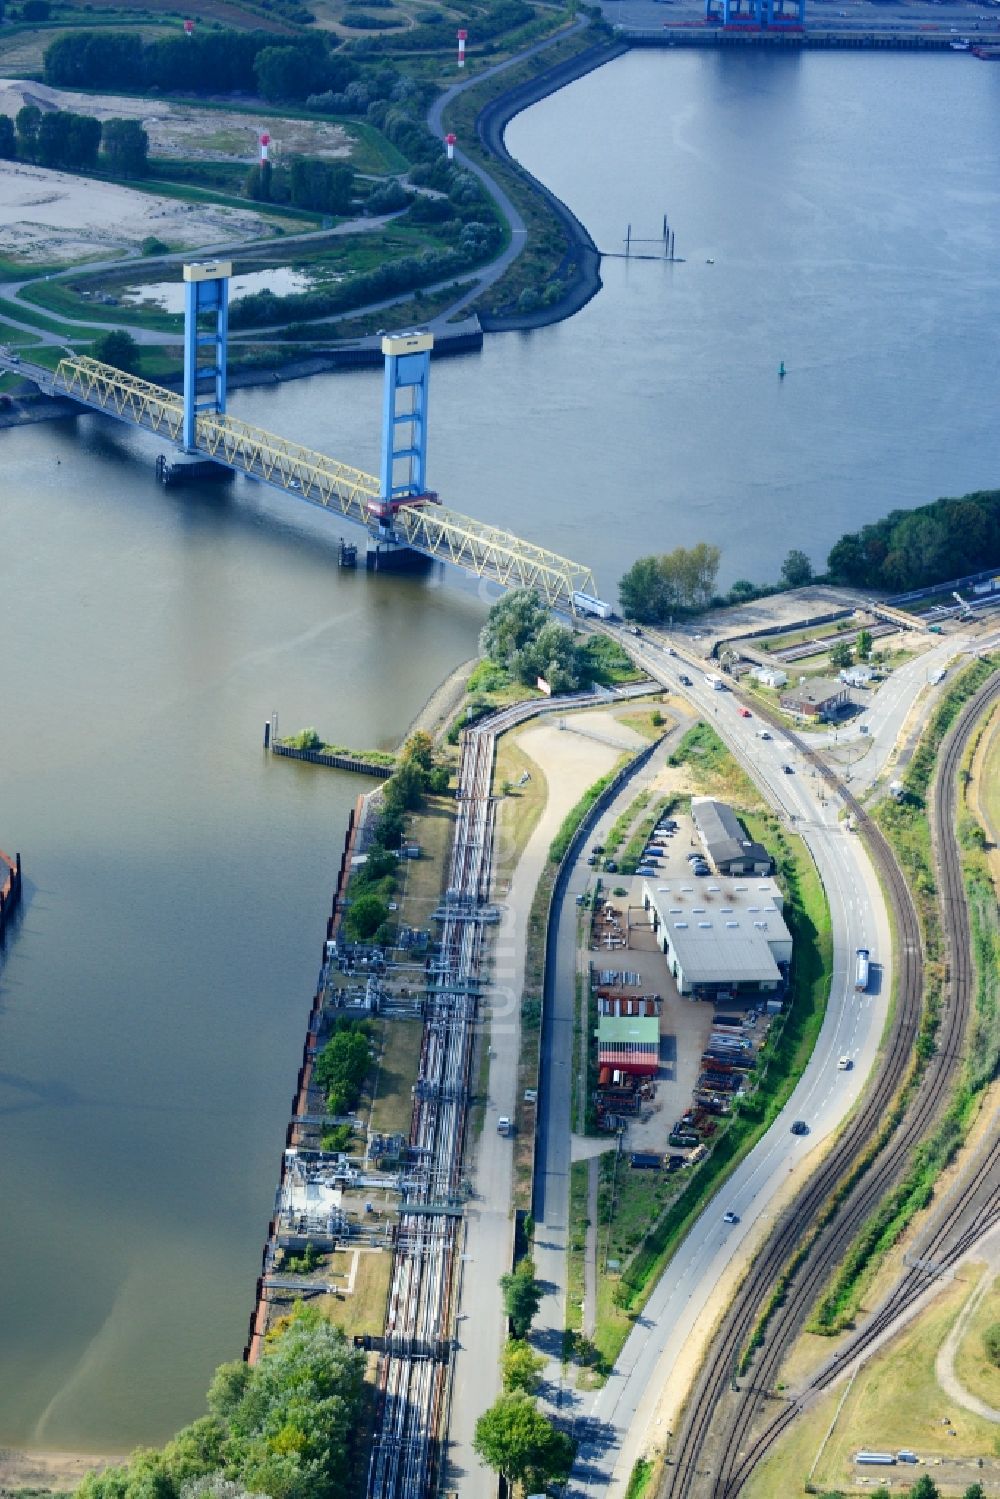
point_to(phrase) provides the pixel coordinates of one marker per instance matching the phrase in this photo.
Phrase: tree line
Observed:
(209, 61)
(76, 142)
(946, 539)
(291, 1427)
(907, 549)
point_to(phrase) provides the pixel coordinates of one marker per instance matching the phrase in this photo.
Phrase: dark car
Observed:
(800, 1127)
(685, 681)
(788, 770)
(611, 867)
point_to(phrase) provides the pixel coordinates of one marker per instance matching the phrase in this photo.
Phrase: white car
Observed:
(730, 1217)
(844, 1064)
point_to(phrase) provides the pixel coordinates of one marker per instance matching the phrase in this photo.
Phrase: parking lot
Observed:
(628, 964)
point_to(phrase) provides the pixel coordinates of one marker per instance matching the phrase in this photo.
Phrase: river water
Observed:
(152, 1002)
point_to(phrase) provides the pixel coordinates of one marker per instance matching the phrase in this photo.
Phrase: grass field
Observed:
(364, 1310)
(972, 1366)
(717, 773)
(895, 1402)
(392, 1108)
(522, 806)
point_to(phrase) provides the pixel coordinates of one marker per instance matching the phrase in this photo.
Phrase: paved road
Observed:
(483, 278)
(626, 1408)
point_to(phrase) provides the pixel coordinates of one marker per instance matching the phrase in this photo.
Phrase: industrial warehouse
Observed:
(723, 941)
(702, 920)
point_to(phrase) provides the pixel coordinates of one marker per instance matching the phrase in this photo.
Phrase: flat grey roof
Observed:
(722, 932)
(819, 690)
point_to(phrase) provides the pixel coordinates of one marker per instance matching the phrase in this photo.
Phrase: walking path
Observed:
(944, 1364)
(590, 1261)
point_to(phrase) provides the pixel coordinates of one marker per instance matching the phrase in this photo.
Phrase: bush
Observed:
(120, 349)
(364, 917)
(991, 1344)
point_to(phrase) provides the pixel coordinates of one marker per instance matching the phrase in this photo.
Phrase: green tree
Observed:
(974, 1491)
(522, 1366)
(27, 123)
(554, 655)
(324, 186)
(404, 790)
(515, 1439)
(120, 349)
(289, 72)
(341, 1068)
(991, 1343)
(420, 749)
(295, 1417)
(925, 1488)
(796, 570)
(522, 1296)
(681, 581)
(126, 147)
(8, 140)
(863, 644)
(512, 624)
(841, 655)
(644, 594)
(364, 916)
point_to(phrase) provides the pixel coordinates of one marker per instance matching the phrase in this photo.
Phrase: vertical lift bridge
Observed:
(397, 509)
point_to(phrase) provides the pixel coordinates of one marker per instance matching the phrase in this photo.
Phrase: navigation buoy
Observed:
(463, 37)
(449, 141)
(189, 28)
(264, 142)
(781, 370)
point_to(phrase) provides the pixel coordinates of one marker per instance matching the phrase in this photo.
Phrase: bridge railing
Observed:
(313, 475)
(484, 551)
(125, 395)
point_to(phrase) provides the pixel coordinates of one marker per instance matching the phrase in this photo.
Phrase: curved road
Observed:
(624, 1413)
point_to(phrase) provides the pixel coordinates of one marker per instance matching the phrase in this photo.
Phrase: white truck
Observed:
(585, 603)
(715, 681)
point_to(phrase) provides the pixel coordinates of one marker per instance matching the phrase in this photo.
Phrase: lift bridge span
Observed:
(397, 510)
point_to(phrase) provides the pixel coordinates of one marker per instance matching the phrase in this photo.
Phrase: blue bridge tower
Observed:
(206, 292)
(404, 415)
(403, 470)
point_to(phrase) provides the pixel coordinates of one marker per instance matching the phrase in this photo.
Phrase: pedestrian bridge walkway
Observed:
(482, 550)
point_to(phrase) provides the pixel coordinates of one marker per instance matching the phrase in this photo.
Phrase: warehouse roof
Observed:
(724, 834)
(722, 932)
(615, 1030)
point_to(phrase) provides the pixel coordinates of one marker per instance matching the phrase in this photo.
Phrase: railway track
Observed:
(713, 1405)
(412, 1374)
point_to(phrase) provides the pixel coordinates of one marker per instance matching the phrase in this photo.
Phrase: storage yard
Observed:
(668, 1069)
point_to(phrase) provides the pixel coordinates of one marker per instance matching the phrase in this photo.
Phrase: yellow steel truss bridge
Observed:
(482, 550)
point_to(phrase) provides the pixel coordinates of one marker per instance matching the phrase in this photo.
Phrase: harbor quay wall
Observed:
(258, 1318)
(10, 888)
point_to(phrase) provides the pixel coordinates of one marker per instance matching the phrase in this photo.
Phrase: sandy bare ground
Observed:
(58, 1471)
(46, 216)
(184, 130)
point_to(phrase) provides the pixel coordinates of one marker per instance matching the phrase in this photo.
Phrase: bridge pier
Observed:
(395, 557)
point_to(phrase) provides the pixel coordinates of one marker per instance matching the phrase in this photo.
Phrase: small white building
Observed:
(858, 675)
(770, 676)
